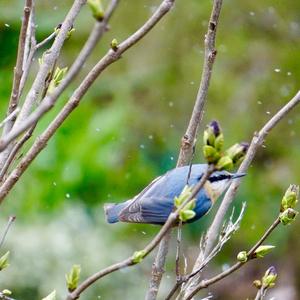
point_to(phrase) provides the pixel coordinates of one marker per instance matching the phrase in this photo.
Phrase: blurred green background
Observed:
(127, 131)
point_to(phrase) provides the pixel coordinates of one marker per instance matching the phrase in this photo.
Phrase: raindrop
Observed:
(6, 25)
(268, 112)
(171, 157)
(252, 13)
(68, 195)
(289, 73)
(277, 70)
(142, 146)
(54, 183)
(143, 232)
(225, 267)
(259, 102)
(150, 137)
(171, 104)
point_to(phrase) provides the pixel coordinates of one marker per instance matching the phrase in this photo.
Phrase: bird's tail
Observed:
(112, 211)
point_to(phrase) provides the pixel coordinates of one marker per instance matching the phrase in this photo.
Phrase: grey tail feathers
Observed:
(112, 211)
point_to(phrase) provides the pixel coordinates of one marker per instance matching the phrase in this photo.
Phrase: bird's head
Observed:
(218, 182)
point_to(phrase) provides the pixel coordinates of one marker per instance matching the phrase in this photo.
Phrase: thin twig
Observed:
(15, 151)
(75, 99)
(18, 70)
(9, 117)
(11, 219)
(256, 143)
(189, 139)
(172, 219)
(210, 53)
(177, 260)
(229, 229)
(250, 254)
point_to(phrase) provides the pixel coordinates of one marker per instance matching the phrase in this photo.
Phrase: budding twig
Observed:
(189, 138)
(250, 254)
(256, 143)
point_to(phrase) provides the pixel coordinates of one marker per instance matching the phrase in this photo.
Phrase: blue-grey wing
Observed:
(154, 204)
(154, 210)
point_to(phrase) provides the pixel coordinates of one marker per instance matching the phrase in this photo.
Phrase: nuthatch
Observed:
(154, 204)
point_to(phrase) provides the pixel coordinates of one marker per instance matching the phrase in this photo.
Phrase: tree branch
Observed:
(250, 254)
(189, 138)
(256, 142)
(18, 70)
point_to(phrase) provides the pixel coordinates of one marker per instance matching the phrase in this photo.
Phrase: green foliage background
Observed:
(127, 130)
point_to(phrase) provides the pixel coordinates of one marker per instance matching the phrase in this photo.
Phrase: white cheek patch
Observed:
(210, 191)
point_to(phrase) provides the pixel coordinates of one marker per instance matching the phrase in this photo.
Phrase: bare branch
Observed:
(256, 143)
(14, 152)
(229, 229)
(250, 254)
(10, 117)
(189, 138)
(210, 53)
(18, 70)
(75, 99)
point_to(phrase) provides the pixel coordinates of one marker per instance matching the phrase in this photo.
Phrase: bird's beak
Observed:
(238, 175)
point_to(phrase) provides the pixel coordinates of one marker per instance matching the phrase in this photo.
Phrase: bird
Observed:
(154, 203)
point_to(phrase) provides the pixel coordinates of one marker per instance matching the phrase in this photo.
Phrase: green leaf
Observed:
(186, 215)
(4, 261)
(262, 251)
(72, 278)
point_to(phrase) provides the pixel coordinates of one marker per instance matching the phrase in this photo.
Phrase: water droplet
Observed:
(150, 137)
(288, 73)
(68, 195)
(97, 129)
(225, 267)
(252, 13)
(6, 25)
(268, 112)
(259, 102)
(142, 146)
(171, 104)
(192, 82)
(54, 183)
(143, 232)
(277, 70)
(171, 157)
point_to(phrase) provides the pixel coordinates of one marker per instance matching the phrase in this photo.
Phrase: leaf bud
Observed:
(4, 261)
(224, 163)
(288, 216)
(290, 197)
(96, 8)
(242, 256)
(263, 250)
(270, 277)
(72, 278)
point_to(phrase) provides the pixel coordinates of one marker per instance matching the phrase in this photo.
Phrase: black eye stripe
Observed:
(214, 178)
